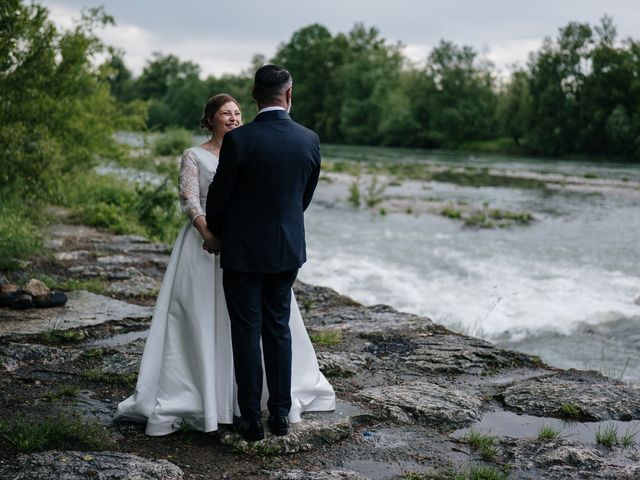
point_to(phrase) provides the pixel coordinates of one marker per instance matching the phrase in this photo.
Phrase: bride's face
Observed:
(227, 118)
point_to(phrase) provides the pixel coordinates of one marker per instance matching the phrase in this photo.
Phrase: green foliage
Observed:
(70, 391)
(62, 433)
(110, 378)
(547, 432)
(485, 444)
(94, 285)
(374, 193)
(20, 237)
(354, 194)
(609, 437)
(105, 201)
(326, 337)
(173, 142)
(57, 113)
(571, 411)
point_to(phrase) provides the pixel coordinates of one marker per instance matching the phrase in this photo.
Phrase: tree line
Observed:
(579, 93)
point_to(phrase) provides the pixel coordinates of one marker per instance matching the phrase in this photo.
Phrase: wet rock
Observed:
(83, 309)
(72, 256)
(125, 360)
(450, 353)
(95, 465)
(324, 475)
(118, 260)
(53, 243)
(316, 429)
(446, 408)
(14, 356)
(577, 455)
(595, 396)
(92, 411)
(36, 288)
(564, 459)
(342, 364)
(138, 286)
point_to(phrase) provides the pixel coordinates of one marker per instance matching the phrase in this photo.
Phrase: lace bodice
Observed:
(197, 169)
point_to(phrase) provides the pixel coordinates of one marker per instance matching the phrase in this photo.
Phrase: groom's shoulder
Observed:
(307, 132)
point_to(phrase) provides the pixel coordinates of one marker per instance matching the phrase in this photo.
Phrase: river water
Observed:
(566, 288)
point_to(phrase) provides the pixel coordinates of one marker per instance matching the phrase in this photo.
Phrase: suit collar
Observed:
(273, 115)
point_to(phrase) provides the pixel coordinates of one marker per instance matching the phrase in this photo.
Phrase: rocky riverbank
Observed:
(416, 401)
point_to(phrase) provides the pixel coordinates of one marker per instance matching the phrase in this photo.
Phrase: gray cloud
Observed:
(223, 36)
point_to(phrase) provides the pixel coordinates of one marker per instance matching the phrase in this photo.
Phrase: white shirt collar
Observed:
(270, 109)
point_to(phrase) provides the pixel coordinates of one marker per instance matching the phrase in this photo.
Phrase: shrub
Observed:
(173, 142)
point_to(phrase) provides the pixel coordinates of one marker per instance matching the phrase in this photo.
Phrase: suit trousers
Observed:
(259, 306)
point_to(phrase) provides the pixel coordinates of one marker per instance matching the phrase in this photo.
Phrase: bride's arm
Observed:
(189, 188)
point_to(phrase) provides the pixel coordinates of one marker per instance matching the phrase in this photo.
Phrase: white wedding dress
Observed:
(186, 373)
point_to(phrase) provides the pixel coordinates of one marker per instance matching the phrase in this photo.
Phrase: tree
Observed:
(56, 111)
(514, 107)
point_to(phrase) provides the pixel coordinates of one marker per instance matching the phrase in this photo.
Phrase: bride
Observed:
(186, 375)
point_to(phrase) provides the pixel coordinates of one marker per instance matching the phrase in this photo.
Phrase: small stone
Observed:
(8, 293)
(36, 288)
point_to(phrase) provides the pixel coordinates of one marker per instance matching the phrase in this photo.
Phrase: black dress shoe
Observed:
(251, 431)
(279, 426)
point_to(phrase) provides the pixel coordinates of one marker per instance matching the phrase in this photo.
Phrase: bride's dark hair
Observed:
(213, 105)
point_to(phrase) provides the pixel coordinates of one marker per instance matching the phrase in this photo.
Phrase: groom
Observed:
(267, 173)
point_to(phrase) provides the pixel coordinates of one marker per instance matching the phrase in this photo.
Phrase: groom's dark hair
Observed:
(271, 81)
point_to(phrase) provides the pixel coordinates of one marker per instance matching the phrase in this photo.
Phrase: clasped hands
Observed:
(211, 244)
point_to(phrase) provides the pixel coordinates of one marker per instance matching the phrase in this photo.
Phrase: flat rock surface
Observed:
(563, 459)
(426, 403)
(82, 309)
(321, 475)
(89, 465)
(598, 397)
(316, 429)
(14, 356)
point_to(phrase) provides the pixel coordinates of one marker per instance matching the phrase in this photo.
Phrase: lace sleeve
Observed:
(189, 186)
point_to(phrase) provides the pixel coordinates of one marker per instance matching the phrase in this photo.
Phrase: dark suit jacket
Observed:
(266, 176)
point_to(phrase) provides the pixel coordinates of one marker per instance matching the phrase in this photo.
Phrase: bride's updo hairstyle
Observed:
(213, 105)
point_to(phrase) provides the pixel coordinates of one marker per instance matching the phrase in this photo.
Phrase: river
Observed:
(566, 287)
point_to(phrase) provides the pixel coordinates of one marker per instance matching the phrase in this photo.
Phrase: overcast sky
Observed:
(223, 36)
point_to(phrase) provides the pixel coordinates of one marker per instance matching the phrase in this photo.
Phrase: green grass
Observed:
(94, 285)
(20, 234)
(473, 473)
(608, 436)
(451, 212)
(571, 411)
(547, 432)
(327, 337)
(125, 379)
(629, 437)
(93, 352)
(62, 336)
(354, 194)
(63, 433)
(484, 444)
(307, 304)
(110, 203)
(69, 391)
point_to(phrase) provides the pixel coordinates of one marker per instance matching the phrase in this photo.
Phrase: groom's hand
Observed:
(211, 244)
